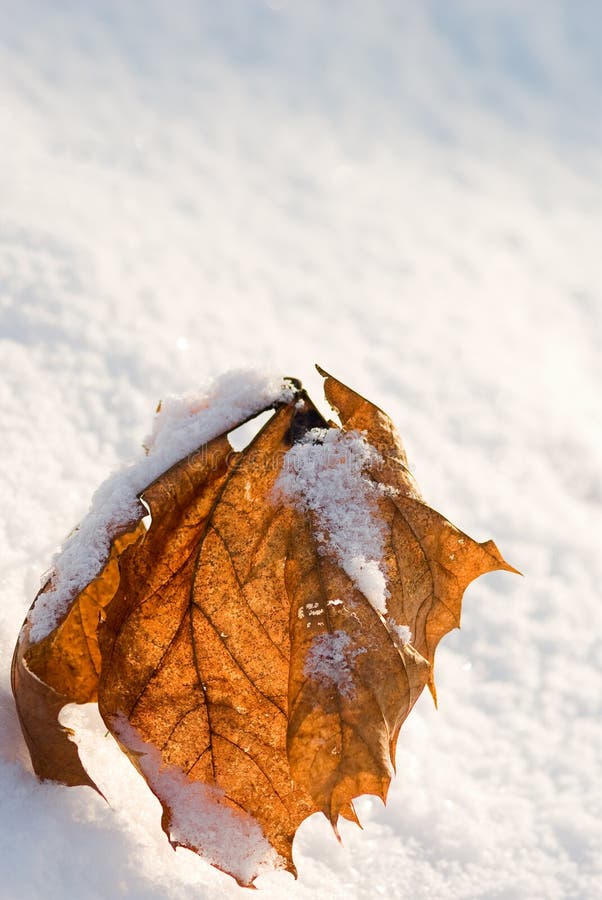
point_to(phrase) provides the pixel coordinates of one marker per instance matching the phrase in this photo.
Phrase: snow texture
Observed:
(199, 815)
(410, 195)
(325, 475)
(182, 424)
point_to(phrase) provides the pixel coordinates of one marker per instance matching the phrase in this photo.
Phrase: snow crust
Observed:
(230, 839)
(325, 474)
(181, 425)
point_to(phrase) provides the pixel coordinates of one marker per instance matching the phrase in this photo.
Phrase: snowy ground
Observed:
(410, 195)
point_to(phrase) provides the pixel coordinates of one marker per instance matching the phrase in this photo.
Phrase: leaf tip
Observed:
(291, 868)
(335, 828)
(491, 548)
(433, 690)
(349, 812)
(506, 567)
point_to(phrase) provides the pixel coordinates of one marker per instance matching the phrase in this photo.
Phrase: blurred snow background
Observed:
(409, 194)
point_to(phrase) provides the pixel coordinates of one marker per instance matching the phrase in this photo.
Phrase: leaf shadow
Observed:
(12, 744)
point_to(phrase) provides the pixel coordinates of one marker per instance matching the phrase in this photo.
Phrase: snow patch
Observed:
(325, 474)
(200, 816)
(330, 659)
(368, 577)
(402, 632)
(181, 425)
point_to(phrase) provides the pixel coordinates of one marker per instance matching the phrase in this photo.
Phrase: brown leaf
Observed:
(64, 668)
(342, 718)
(244, 663)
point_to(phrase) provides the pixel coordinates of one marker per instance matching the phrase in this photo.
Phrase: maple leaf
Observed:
(257, 649)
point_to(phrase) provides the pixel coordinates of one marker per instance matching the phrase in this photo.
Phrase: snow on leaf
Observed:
(324, 474)
(199, 815)
(330, 658)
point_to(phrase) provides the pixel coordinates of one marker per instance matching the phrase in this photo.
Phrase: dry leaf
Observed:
(256, 651)
(64, 668)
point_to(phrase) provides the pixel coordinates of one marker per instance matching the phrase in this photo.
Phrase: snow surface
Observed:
(409, 194)
(325, 475)
(182, 423)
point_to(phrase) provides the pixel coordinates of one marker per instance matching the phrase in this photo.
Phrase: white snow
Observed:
(410, 195)
(325, 474)
(200, 817)
(181, 425)
(402, 632)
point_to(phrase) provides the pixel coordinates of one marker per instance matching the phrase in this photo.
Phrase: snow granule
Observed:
(368, 577)
(325, 474)
(181, 425)
(200, 816)
(402, 632)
